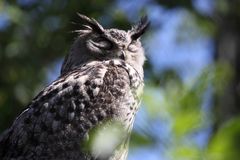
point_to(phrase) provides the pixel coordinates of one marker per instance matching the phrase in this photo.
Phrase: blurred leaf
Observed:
(152, 98)
(222, 75)
(225, 143)
(138, 139)
(185, 153)
(105, 138)
(186, 122)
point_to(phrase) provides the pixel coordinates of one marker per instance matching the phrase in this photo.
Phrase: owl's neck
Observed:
(76, 57)
(73, 60)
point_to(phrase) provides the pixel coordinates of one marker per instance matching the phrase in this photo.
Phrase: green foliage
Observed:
(226, 143)
(181, 106)
(105, 138)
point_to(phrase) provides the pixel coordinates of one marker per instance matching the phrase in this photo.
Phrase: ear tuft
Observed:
(139, 29)
(90, 23)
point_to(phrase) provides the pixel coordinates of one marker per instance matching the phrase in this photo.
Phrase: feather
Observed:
(140, 28)
(56, 123)
(91, 23)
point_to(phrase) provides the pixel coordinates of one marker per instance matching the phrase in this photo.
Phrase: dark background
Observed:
(190, 108)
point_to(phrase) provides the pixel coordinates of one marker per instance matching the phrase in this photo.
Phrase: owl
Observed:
(98, 92)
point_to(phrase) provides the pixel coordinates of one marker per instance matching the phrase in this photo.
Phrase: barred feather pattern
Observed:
(56, 123)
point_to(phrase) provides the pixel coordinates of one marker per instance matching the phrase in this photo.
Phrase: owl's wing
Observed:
(57, 121)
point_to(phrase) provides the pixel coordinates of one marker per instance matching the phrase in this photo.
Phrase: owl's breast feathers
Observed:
(59, 118)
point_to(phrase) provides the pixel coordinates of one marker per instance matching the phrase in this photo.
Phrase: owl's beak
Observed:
(123, 55)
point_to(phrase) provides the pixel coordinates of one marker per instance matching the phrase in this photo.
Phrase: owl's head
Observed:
(96, 43)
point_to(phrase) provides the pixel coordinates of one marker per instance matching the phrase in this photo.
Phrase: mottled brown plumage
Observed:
(100, 84)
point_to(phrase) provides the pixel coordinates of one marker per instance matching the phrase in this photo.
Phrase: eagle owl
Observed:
(100, 83)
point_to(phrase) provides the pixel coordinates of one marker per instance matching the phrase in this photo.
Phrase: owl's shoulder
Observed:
(82, 85)
(73, 104)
